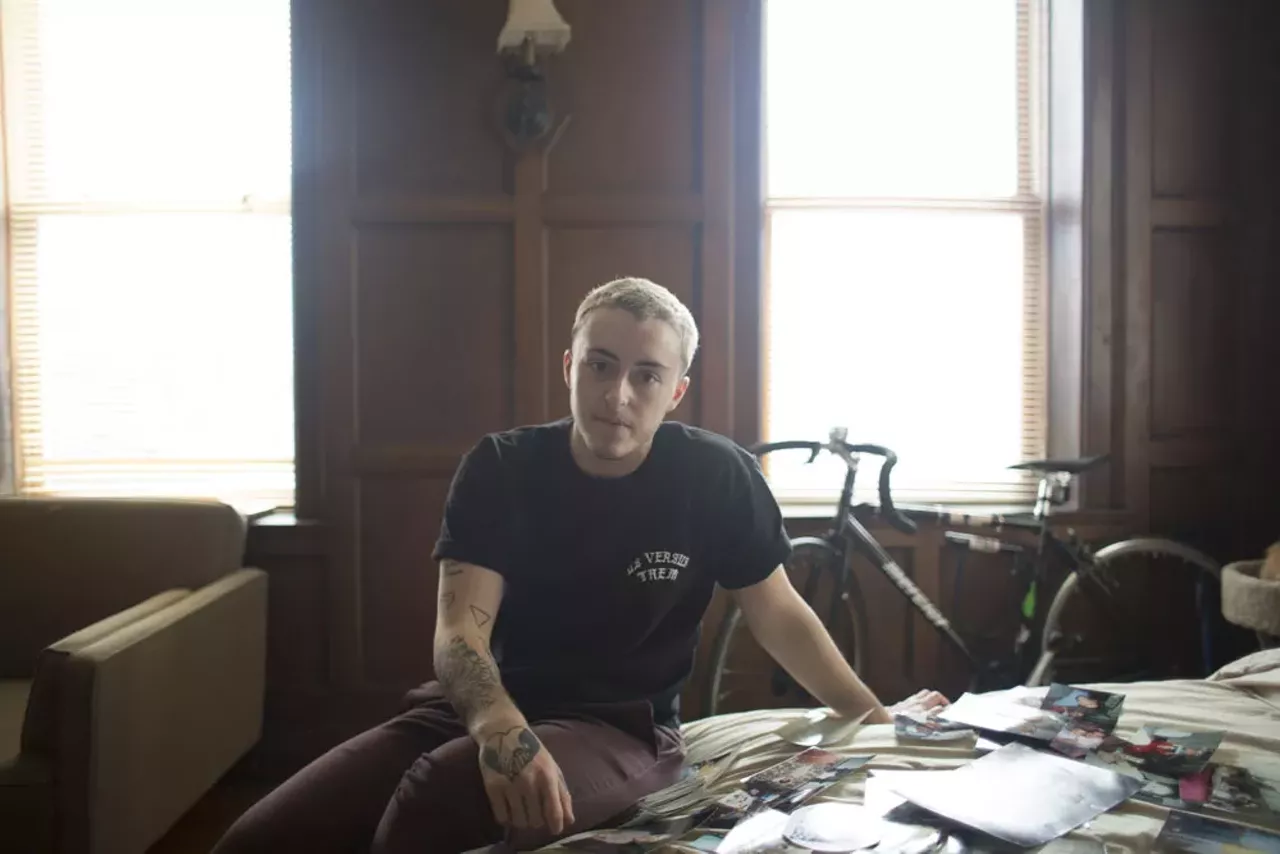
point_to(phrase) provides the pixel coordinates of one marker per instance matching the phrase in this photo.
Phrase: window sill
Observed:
(280, 532)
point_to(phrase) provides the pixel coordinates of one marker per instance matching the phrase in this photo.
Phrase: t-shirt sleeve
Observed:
(476, 527)
(753, 540)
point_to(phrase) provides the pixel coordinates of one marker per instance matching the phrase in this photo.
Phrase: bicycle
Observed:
(821, 571)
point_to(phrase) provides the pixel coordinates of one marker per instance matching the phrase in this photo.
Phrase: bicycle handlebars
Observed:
(845, 452)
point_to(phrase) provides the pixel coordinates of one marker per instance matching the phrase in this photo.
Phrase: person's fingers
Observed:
(532, 792)
(552, 809)
(515, 807)
(498, 800)
(566, 802)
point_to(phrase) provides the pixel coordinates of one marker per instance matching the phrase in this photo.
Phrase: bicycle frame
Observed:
(850, 531)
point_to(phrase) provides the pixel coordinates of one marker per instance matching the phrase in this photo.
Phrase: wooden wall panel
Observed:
(1255, 255)
(411, 212)
(1183, 502)
(580, 258)
(434, 327)
(400, 521)
(445, 267)
(1189, 104)
(1178, 284)
(632, 81)
(1190, 350)
(425, 76)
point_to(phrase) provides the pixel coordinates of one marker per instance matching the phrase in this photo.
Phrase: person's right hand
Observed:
(524, 783)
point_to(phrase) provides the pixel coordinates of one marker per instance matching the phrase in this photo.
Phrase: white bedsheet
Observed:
(1243, 699)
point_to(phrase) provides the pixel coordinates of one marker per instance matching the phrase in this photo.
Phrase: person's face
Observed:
(1087, 702)
(624, 375)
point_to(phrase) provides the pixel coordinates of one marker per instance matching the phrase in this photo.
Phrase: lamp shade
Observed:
(537, 20)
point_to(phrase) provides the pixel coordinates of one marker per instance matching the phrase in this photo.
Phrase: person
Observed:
(576, 561)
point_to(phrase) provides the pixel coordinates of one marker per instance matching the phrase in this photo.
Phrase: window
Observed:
(905, 229)
(147, 160)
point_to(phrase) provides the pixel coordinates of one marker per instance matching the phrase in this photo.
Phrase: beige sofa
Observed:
(132, 659)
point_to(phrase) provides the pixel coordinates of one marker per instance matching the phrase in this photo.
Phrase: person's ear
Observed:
(568, 364)
(681, 388)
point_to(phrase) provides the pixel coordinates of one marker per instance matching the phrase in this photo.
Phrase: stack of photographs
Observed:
(686, 796)
(792, 782)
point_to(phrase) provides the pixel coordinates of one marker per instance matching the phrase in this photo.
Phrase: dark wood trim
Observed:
(1180, 451)
(631, 209)
(748, 212)
(532, 353)
(307, 272)
(716, 294)
(416, 460)
(1188, 213)
(557, 209)
(1137, 304)
(1101, 278)
(335, 253)
(283, 534)
(386, 209)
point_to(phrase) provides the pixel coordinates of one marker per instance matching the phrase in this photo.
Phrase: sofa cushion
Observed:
(13, 708)
(71, 562)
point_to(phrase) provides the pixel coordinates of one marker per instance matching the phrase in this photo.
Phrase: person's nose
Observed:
(618, 395)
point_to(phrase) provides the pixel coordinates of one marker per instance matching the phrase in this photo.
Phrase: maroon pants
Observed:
(414, 783)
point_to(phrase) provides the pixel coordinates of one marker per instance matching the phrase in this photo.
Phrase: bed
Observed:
(1242, 698)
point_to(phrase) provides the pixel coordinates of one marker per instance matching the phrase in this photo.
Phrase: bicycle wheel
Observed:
(743, 676)
(1130, 623)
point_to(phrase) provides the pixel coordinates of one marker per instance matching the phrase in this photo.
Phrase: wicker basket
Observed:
(1249, 601)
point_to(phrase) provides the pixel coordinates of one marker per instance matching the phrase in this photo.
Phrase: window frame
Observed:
(1052, 193)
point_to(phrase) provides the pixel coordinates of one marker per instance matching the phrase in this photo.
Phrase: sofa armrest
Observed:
(165, 706)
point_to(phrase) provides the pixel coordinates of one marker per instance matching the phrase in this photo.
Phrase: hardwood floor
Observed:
(202, 826)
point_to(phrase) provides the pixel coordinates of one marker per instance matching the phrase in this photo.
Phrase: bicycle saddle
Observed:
(1079, 466)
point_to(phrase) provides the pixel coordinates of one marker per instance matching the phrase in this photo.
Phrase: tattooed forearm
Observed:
(469, 678)
(509, 752)
(480, 615)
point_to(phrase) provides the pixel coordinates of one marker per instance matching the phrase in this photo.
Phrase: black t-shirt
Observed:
(607, 579)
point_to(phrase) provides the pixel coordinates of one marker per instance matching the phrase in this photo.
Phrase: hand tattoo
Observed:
(480, 616)
(451, 568)
(469, 679)
(509, 752)
(448, 599)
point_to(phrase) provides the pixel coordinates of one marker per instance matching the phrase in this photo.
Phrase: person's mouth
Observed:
(617, 423)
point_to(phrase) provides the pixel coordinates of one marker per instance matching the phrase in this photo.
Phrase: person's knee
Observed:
(439, 808)
(245, 837)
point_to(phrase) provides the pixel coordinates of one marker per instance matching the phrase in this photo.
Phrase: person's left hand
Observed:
(920, 703)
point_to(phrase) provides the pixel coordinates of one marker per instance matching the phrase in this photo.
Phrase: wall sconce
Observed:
(533, 32)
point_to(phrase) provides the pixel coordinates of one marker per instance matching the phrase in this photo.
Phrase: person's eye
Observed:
(597, 366)
(651, 378)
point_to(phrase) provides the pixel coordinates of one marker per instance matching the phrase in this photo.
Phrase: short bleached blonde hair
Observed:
(644, 300)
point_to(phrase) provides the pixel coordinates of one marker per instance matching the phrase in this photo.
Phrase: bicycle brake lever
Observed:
(813, 455)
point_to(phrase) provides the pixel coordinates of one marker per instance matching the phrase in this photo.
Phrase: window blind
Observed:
(905, 243)
(147, 154)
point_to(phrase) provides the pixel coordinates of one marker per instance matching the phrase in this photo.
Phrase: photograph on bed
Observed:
(1224, 790)
(1171, 752)
(929, 727)
(1198, 834)
(1095, 710)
